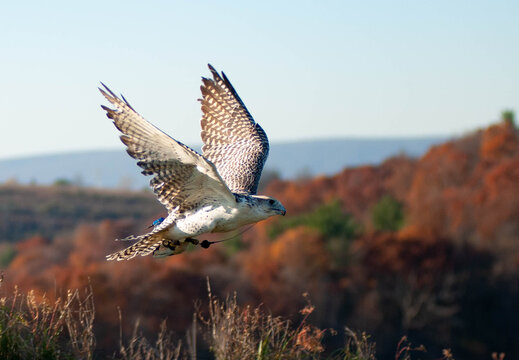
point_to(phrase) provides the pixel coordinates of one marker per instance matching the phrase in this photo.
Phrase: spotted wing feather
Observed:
(182, 178)
(233, 141)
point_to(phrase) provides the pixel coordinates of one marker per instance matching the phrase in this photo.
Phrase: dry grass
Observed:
(238, 333)
(36, 328)
(33, 327)
(139, 348)
(358, 347)
(404, 349)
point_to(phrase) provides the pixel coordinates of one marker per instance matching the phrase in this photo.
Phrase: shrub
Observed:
(62, 182)
(387, 214)
(7, 254)
(508, 116)
(328, 219)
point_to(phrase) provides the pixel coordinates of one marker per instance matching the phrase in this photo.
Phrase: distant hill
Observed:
(52, 210)
(115, 169)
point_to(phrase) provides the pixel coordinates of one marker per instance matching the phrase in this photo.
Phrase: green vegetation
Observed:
(336, 227)
(328, 219)
(387, 214)
(7, 254)
(233, 242)
(508, 116)
(62, 182)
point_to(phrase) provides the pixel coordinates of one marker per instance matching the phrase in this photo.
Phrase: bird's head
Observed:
(269, 205)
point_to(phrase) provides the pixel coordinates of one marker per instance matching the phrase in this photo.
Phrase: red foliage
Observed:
(461, 200)
(358, 189)
(499, 141)
(402, 254)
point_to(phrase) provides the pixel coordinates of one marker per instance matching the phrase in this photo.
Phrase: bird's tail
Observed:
(145, 245)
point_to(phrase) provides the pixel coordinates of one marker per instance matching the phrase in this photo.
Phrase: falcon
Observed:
(203, 193)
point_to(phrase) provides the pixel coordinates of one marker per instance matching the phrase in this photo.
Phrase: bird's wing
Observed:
(182, 178)
(233, 141)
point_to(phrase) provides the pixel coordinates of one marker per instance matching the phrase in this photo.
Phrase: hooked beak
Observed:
(283, 212)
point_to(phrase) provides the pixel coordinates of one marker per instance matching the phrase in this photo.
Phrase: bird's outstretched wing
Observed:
(182, 178)
(233, 141)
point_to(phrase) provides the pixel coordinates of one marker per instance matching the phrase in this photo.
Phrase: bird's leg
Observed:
(204, 243)
(192, 241)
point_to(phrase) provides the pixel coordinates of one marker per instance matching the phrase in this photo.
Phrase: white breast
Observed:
(214, 218)
(201, 221)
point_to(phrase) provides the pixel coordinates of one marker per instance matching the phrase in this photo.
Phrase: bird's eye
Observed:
(271, 202)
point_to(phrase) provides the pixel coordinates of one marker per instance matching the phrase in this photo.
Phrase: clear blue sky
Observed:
(305, 69)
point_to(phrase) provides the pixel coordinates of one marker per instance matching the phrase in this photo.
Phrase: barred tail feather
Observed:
(145, 245)
(132, 238)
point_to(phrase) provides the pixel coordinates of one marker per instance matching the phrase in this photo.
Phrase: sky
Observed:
(305, 69)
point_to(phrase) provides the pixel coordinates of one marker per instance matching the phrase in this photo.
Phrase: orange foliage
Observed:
(461, 204)
(499, 141)
(294, 263)
(358, 189)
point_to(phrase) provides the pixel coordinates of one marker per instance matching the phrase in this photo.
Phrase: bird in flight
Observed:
(210, 192)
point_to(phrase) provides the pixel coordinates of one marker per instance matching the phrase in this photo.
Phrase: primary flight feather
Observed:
(213, 192)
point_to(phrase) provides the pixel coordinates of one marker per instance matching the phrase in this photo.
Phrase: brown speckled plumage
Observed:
(234, 152)
(233, 141)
